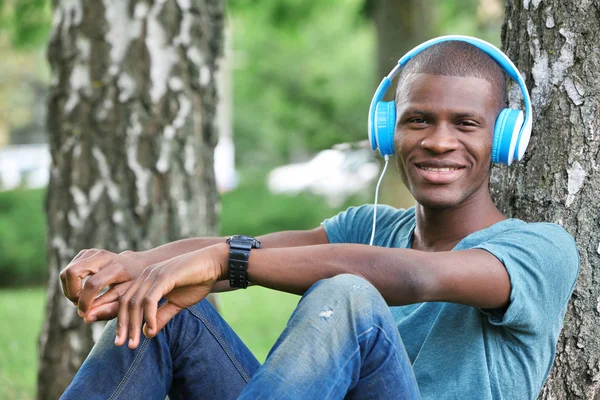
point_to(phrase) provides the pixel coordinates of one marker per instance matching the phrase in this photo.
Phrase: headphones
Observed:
(512, 129)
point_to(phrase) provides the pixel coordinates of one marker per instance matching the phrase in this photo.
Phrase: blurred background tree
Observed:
(131, 125)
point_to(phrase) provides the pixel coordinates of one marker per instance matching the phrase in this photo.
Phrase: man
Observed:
(453, 301)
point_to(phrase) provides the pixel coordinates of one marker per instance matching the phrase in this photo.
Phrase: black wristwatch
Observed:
(239, 252)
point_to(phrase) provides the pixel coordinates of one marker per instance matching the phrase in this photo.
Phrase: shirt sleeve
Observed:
(350, 226)
(542, 262)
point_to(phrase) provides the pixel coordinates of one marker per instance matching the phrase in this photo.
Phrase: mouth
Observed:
(439, 174)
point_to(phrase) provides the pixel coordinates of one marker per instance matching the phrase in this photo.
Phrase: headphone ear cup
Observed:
(506, 132)
(385, 123)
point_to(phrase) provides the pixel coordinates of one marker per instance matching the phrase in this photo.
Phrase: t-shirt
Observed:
(462, 352)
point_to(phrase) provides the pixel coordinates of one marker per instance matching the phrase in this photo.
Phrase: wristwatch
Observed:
(239, 252)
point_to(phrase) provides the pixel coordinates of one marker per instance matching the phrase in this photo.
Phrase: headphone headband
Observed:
(495, 53)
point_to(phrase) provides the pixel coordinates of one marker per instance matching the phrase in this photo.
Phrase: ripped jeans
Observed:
(340, 342)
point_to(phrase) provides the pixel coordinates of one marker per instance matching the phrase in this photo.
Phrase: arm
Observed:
(272, 240)
(403, 276)
(93, 270)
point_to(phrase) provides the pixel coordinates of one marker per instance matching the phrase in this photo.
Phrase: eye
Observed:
(418, 121)
(467, 124)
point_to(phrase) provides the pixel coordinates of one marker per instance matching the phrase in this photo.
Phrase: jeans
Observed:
(340, 342)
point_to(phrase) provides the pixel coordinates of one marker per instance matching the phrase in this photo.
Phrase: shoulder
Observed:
(354, 224)
(536, 255)
(551, 240)
(542, 262)
(547, 243)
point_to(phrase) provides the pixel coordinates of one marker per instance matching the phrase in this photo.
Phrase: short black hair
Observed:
(457, 58)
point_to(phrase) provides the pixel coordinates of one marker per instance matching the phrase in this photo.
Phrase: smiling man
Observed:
(453, 301)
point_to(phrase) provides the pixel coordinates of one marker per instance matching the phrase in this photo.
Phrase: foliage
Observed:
(251, 209)
(26, 22)
(302, 81)
(481, 18)
(22, 238)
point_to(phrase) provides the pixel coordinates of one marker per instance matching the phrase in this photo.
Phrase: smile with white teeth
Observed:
(431, 169)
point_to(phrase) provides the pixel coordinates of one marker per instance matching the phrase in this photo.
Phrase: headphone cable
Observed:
(387, 159)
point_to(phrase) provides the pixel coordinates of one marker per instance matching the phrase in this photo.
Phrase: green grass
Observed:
(258, 315)
(21, 313)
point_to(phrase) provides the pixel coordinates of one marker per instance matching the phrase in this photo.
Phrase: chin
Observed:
(437, 204)
(438, 200)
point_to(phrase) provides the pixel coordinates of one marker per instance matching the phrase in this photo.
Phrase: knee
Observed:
(346, 289)
(343, 283)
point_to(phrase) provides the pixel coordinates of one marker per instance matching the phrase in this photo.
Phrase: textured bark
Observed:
(555, 43)
(131, 130)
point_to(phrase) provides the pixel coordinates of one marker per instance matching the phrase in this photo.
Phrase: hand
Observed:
(102, 269)
(183, 281)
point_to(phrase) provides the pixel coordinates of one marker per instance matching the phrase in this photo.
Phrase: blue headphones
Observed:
(511, 131)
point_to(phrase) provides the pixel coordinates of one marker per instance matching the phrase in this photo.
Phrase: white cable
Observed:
(387, 159)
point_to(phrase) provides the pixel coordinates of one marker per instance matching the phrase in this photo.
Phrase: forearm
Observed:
(177, 248)
(294, 270)
(271, 240)
(472, 277)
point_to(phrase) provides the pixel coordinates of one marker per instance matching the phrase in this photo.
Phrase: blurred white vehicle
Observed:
(335, 174)
(24, 165)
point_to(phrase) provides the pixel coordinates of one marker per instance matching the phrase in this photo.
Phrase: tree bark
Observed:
(555, 44)
(131, 131)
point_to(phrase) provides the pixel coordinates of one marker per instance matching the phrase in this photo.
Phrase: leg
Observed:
(340, 342)
(197, 355)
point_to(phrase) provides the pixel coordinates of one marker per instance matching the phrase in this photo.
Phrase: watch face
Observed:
(242, 239)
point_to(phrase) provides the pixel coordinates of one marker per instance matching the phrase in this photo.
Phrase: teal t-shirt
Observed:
(462, 352)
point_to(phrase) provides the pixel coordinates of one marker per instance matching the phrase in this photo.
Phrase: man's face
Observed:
(443, 137)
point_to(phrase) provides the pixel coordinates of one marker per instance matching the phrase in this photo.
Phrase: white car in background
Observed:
(24, 165)
(336, 174)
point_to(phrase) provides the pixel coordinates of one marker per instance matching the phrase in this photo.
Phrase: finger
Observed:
(112, 294)
(84, 254)
(77, 271)
(164, 314)
(123, 313)
(109, 296)
(63, 273)
(150, 305)
(110, 274)
(136, 312)
(104, 312)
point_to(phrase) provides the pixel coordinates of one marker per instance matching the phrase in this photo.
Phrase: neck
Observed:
(442, 229)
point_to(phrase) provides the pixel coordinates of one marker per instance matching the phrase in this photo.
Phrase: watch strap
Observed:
(239, 253)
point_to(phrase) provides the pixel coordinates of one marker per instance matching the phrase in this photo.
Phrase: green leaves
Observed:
(305, 78)
(26, 22)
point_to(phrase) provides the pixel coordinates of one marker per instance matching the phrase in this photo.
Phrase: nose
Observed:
(440, 140)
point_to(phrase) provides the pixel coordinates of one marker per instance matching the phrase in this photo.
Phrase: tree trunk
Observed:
(131, 111)
(400, 25)
(556, 44)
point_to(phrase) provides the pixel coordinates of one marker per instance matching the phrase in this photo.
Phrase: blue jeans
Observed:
(340, 342)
